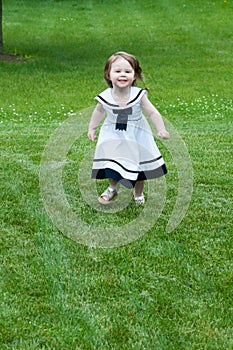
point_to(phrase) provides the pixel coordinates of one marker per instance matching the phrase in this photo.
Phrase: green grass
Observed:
(165, 290)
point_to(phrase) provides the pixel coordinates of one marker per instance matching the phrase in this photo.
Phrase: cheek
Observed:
(111, 75)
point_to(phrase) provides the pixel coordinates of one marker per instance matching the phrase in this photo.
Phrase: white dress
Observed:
(126, 150)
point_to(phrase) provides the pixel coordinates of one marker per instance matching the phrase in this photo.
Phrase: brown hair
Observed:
(128, 57)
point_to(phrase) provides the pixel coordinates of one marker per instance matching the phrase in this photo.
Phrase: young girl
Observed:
(126, 152)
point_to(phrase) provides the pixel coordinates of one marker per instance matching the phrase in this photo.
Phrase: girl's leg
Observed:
(113, 184)
(138, 189)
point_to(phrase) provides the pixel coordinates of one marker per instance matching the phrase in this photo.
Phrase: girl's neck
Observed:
(121, 96)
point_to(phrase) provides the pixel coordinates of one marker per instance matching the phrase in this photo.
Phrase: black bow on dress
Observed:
(122, 117)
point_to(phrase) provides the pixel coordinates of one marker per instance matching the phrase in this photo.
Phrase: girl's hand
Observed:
(163, 135)
(91, 134)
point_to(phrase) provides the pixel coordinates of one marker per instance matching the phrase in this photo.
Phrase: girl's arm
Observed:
(96, 118)
(155, 117)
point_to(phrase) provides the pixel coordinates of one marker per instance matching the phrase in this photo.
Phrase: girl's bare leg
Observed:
(138, 189)
(113, 184)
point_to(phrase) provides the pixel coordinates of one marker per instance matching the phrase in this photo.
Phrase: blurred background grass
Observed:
(180, 45)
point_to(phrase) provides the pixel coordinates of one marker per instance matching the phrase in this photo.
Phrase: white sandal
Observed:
(139, 200)
(108, 195)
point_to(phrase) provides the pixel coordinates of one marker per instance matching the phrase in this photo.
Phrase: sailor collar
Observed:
(107, 99)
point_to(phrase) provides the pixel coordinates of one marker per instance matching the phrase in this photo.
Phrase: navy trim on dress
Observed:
(107, 173)
(135, 98)
(114, 161)
(107, 103)
(113, 105)
(150, 161)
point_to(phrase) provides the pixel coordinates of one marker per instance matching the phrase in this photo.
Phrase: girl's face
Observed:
(122, 73)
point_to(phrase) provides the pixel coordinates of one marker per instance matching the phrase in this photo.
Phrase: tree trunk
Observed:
(1, 38)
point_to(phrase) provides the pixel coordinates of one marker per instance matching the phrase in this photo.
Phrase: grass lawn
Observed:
(164, 290)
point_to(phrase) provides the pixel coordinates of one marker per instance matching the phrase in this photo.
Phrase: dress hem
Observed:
(101, 174)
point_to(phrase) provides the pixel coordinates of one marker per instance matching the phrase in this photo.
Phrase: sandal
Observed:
(139, 200)
(108, 195)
